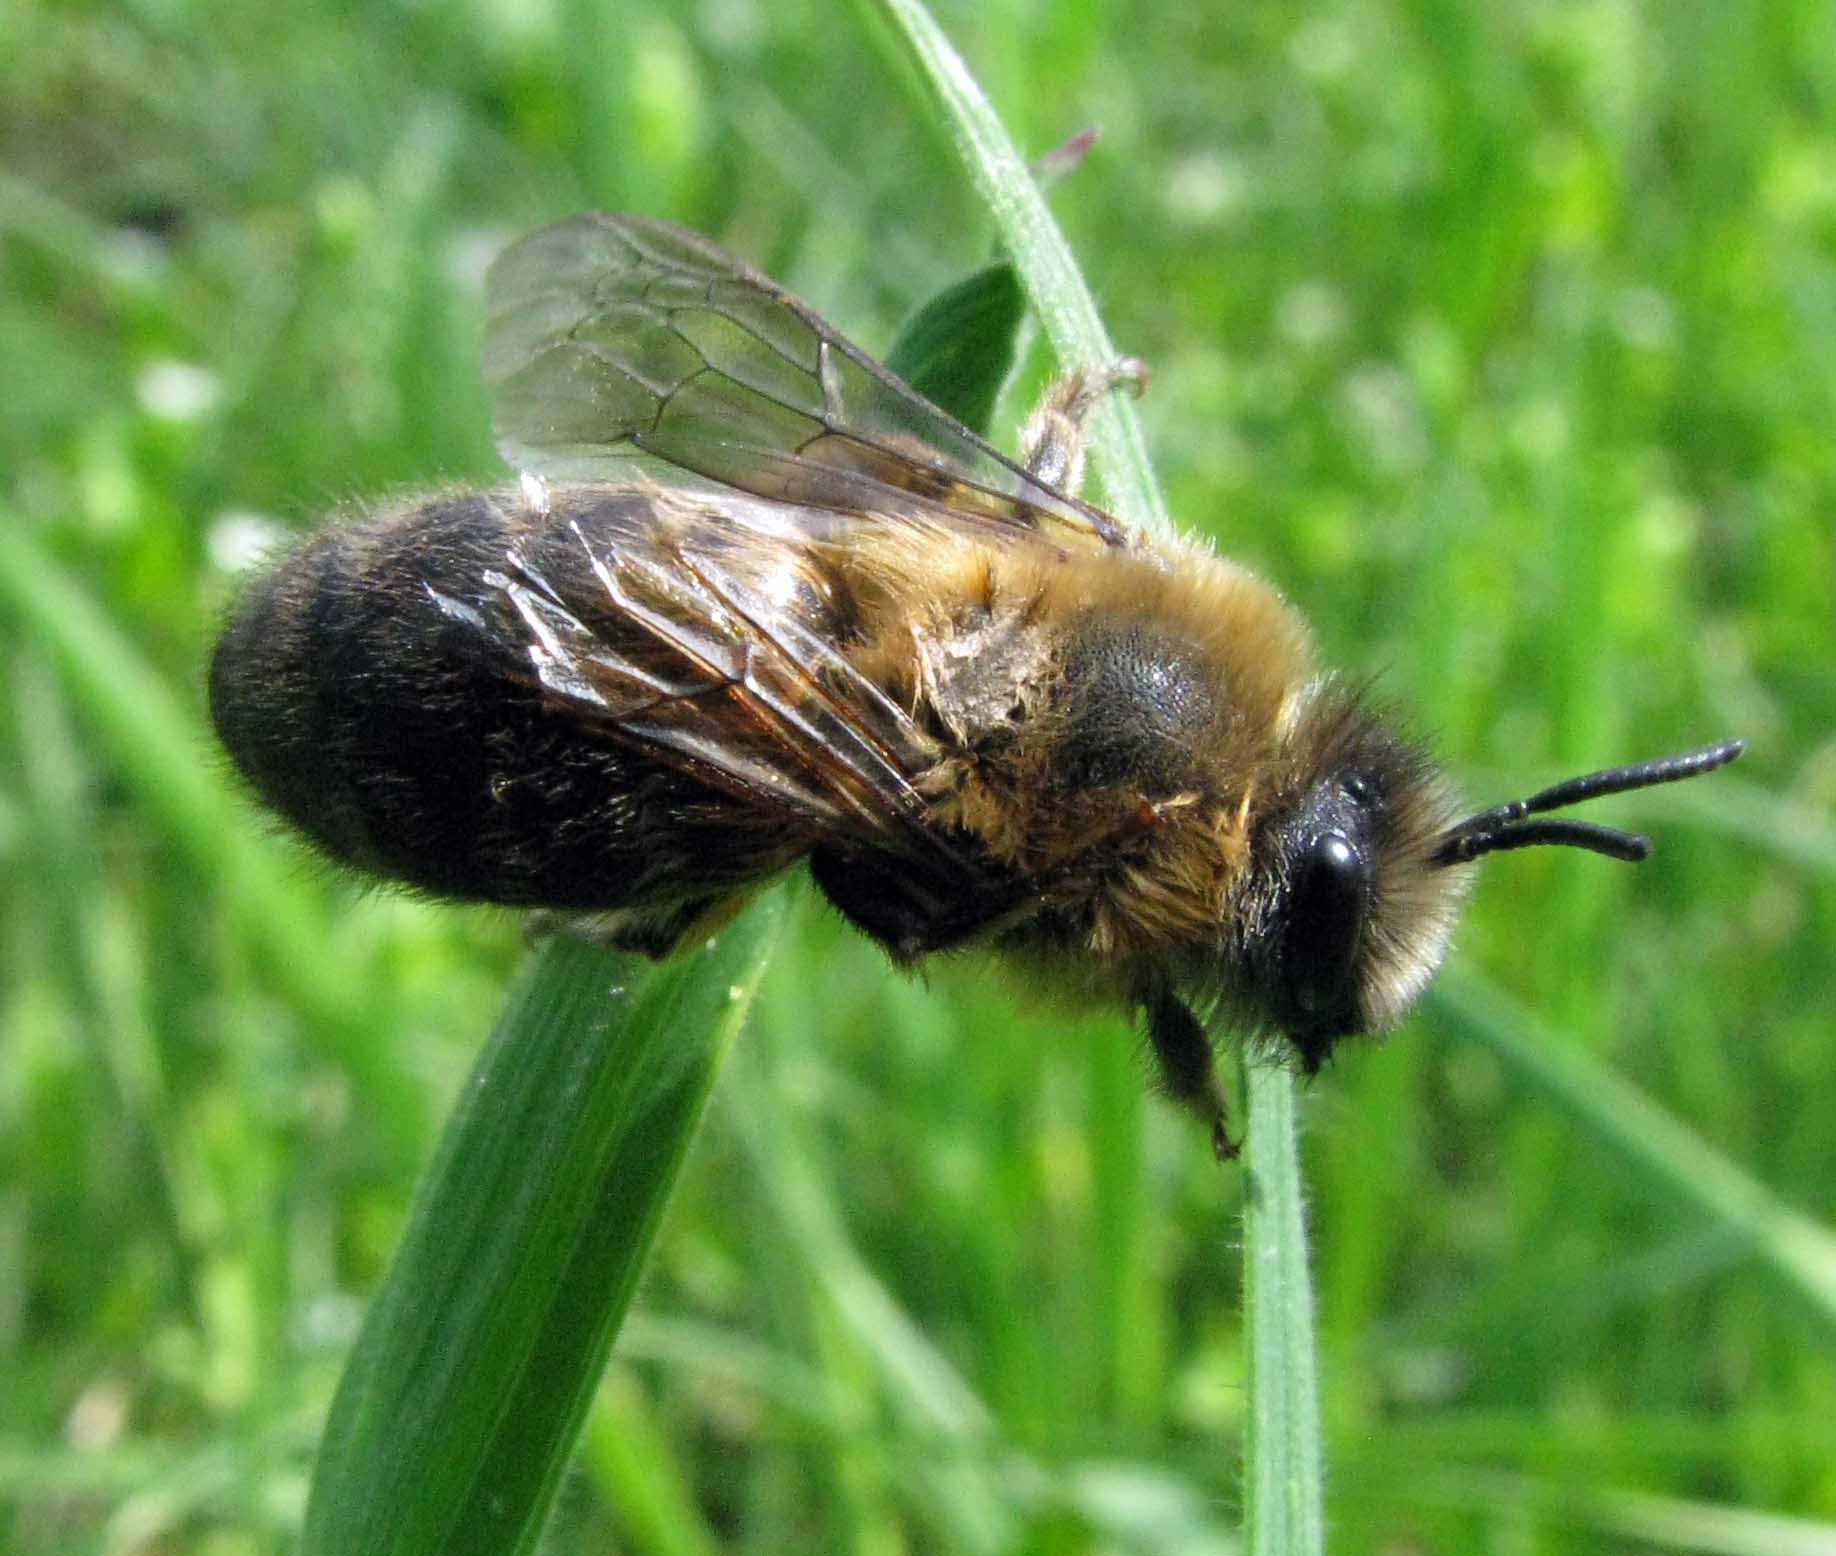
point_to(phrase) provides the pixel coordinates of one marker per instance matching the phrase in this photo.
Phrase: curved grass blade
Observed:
(1284, 1454)
(1666, 1154)
(1040, 255)
(469, 1383)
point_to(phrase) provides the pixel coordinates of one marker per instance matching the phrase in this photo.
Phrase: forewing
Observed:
(615, 338)
(708, 646)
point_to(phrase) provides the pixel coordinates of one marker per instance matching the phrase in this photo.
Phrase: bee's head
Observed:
(1359, 869)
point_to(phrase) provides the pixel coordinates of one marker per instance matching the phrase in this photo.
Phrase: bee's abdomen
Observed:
(363, 689)
(360, 710)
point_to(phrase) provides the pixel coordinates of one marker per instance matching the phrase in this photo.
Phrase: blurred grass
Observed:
(1496, 336)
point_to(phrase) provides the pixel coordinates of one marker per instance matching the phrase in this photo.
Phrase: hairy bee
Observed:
(756, 601)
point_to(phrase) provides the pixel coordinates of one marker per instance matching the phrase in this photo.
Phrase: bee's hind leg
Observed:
(1052, 441)
(1187, 1075)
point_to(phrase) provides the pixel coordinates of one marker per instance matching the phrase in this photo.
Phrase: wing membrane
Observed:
(614, 339)
(712, 652)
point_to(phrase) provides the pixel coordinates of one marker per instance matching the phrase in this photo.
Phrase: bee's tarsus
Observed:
(1052, 441)
(1183, 1051)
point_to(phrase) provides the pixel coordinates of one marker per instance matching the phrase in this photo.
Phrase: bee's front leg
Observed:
(1052, 441)
(1187, 1075)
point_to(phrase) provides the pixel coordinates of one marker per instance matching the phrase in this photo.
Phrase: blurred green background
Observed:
(1499, 337)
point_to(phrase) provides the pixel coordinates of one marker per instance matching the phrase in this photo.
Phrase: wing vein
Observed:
(638, 281)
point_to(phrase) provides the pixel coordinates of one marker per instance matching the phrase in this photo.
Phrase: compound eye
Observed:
(1331, 890)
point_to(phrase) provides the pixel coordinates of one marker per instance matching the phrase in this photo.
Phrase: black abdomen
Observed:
(373, 692)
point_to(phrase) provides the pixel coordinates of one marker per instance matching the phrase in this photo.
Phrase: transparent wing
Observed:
(709, 646)
(619, 338)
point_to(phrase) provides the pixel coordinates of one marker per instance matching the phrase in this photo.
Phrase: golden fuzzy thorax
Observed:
(1163, 858)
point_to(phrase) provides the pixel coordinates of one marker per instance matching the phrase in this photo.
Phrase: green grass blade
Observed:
(1671, 1158)
(1283, 1501)
(1040, 255)
(470, 1381)
(1283, 1472)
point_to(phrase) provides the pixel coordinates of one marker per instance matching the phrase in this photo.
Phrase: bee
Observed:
(756, 602)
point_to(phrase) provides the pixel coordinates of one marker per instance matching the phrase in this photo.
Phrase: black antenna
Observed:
(1506, 826)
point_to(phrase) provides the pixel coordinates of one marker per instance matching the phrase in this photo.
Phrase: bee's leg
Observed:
(911, 919)
(1186, 1072)
(1052, 441)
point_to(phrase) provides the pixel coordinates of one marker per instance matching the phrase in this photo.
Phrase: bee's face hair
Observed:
(1346, 915)
(1360, 870)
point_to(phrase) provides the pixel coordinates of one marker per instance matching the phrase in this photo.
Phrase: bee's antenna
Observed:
(1506, 826)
